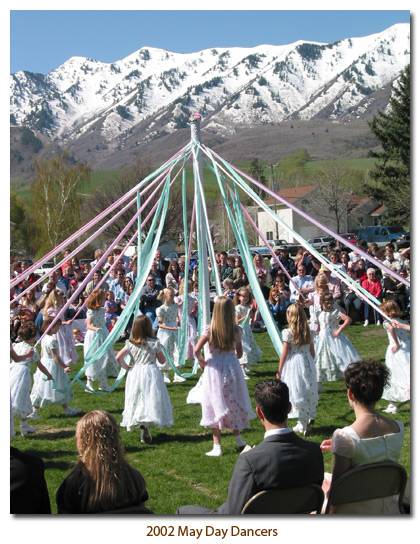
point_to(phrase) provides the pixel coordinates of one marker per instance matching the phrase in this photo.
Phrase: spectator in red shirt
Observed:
(374, 287)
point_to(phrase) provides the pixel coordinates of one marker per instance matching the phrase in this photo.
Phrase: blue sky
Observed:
(41, 40)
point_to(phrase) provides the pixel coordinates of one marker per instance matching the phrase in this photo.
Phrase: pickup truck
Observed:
(275, 244)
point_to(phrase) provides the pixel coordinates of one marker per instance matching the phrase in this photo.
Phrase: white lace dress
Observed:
(146, 396)
(299, 374)
(65, 339)
(169, 338)
(43, 393)
(106, 365)
(251, 351)
(332, 354)
(20, 381)
(398, 363)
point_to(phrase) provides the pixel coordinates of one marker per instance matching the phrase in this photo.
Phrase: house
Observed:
(341, 212)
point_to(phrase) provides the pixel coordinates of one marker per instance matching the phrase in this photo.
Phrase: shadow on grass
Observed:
(53, 434)
(163, 438)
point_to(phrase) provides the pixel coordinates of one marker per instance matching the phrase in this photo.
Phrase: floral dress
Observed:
(43, 393)
(65, 339)
(299, 374)
(191, 323)
(106, 365)
(225, 399)
(398, 389)
(146, 397)
(332, 355)
(169, 339)
(20, 381)
(251, 352)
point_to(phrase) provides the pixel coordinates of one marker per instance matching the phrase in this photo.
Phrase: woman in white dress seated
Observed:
(370, 439)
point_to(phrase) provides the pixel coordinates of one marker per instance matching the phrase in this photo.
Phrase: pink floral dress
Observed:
(225, 399)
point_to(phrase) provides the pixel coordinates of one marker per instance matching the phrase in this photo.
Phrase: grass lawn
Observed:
(175, 466)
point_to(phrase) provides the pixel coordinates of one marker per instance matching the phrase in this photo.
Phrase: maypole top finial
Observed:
(195, 121)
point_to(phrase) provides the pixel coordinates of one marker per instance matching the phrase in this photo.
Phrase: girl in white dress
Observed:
(43, 393)
(225, 399)
(168, 325)
(97, 331)
(191, 314)
(53, 305)
(397, 358)
(20, 376)
(147, 402)
(333, 351)
(251, 352)
(297, 368)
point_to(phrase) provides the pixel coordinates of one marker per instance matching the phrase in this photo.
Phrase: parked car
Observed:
(321, 243)
(384, 234)
(292, 248)
(350, 236)
(45, 268)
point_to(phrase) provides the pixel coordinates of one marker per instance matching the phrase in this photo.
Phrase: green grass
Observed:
(356, 164)
(175, 466)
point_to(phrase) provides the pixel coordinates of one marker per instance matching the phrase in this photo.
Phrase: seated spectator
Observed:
(349, 297)
(158, 274)
(395, 289)
(392, 259)
(111, 308)
(371, 438)
(278, 304)
(133, 270)
(78, 336)
(280, 284)
(172, 277)
(225, 271)
(287, 262)
(281, 461)
(228, 289)
(311, 264)
(259, 265)
(91, 286)
(334, 286)
(117, 287)
(149, 299)
(103, 479)
(97, 257)
(334, 259)
(301, 285)
(261, 275)
(374, 287)
(181, 266)
(238, 273)
(361, 274)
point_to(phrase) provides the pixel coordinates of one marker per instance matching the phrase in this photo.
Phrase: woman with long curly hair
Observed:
(103, 479)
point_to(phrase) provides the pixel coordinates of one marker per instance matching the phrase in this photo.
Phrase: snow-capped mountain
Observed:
(92, 106)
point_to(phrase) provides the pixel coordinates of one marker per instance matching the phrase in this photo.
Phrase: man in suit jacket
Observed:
(283, 460)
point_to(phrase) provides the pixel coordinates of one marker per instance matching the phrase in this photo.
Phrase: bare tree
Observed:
(329, 200)
(56, 201)
(107, 194)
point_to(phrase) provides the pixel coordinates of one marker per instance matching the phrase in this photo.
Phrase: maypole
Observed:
(203, 271)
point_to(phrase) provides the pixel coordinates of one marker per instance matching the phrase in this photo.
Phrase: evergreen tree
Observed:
(392, 170)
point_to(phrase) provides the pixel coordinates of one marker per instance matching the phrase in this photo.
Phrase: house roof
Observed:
(379, 211)
(291, 193)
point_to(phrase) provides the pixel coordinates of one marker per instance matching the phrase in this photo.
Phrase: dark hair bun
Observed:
(366, 380)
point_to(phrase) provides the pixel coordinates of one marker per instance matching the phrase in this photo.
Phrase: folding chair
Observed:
(297, 500)
(372, 481)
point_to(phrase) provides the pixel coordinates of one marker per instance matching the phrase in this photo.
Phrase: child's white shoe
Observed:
(391, 408)
(103, 386)
(25, 428)
(166, 378)
(299, 428)
(215, 452)
(178, 378)
(89, 385)
(366, 323)
(34, 415)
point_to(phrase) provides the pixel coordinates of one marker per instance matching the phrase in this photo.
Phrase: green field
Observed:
(175, 466)
(98, 178)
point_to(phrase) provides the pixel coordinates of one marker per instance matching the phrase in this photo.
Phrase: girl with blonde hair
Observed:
(191, 314)
(97, 331)
(103, 479)
(168, 325)
(53, 305)
(397, 358)
(225, 399)
(297, 368)
(251, 352)
(146, 398)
